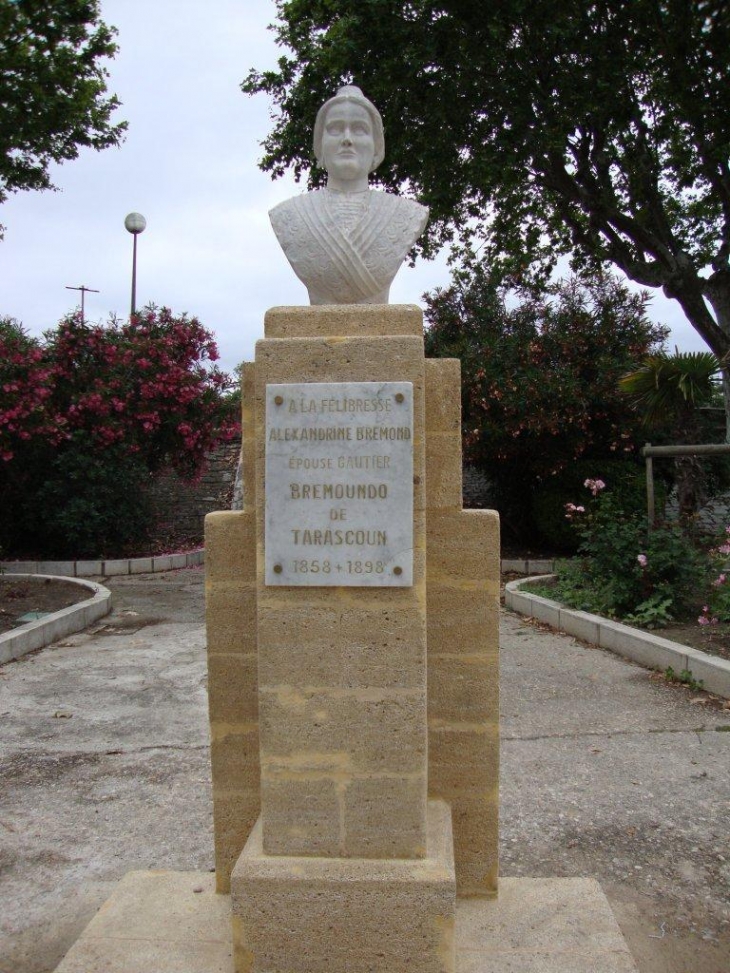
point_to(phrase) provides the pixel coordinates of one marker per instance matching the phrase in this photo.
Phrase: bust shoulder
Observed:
(411, 215)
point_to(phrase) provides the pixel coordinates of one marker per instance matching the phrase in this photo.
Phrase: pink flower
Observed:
(641, 558)
(719, 580)
(705, 618)
(595, 486)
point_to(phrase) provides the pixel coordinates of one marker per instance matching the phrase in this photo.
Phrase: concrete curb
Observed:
(106, 569)
(648, 650)
(35, 635)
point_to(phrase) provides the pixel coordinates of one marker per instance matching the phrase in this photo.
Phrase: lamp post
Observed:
(135, 224)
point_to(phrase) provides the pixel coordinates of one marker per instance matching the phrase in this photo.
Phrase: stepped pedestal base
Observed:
(156, 921)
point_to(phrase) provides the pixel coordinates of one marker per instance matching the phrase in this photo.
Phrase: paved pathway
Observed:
(606, 771)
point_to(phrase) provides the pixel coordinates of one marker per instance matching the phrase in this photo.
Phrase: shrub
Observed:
(623, 569)
(87, 413)
(540, 379)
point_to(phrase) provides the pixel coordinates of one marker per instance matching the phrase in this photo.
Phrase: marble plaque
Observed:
(339, 484)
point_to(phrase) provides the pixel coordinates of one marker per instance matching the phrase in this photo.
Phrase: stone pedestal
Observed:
(336, 709)
(346, 915)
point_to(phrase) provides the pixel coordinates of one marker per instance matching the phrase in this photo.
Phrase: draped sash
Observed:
(347, 267)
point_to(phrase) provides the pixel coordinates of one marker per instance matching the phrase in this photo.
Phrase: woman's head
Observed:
(349, 95)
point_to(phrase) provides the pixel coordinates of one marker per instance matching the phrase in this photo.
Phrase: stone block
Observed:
(173, 922)
(463, 545)
(545, 610)
(712, 672)
(235, 812)
(163, 563)
(581, 625)
(647, 650)
(518, 601)
(542, 925)
(464, 688)
(88, 569)
(232, 688)
(382, 359)
(114, 568)
(230, 543)
(463, 769)
(178, 561)
(475, 818)
(463, 617)
(383, 818)
(443, 471)
(382, 730)
(303, 816)
(230, 611)
(234, 754)
(170, 922)
(452, 635)
(65, 569)
(248, 436)
(141, 565)
(20, 567)
(332, 320)
(464, 756)
(343, 647)
(443, 396)
(304, 915)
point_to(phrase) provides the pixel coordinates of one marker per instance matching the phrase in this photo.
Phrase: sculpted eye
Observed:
(334, 128)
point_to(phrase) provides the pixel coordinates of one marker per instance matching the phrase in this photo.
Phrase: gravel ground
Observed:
(606, 771)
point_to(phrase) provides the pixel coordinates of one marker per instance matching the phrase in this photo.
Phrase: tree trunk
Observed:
(718, 297)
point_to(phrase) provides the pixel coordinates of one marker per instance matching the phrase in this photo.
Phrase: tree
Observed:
(540, 402)
(53, 88)
(534, 128)
(672, 388)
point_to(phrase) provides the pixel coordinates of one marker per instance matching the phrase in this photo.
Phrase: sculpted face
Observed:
(348, 147)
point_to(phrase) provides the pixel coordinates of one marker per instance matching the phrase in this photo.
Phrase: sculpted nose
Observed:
(346, 140)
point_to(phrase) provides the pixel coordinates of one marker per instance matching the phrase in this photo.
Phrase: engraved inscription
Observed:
(339, 484)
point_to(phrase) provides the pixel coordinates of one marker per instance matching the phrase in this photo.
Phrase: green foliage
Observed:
(717, 607)
(667, 391)
(539, 386)
(673, 385)
(623, 569)
(548, 498)
(685, 677)
(53, 84)
(533, 129)
(652, 613)
(96, 499)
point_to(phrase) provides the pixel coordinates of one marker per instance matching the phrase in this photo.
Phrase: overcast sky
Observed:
(189, 165)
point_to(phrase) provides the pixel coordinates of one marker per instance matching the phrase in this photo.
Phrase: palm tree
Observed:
(672, 388)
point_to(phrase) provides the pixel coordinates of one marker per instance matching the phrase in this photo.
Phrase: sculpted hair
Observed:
(351, 92)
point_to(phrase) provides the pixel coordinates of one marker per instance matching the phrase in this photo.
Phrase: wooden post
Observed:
(650, 510)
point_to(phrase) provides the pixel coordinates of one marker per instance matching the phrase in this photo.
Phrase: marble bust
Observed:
(347, 242)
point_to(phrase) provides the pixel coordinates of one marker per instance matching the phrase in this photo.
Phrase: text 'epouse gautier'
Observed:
(369, 434)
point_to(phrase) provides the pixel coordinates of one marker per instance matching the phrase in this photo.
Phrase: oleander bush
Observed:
(87, 413)
(540, 386)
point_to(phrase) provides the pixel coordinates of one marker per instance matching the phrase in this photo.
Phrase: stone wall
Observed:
(180, 505)
(476, 488)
